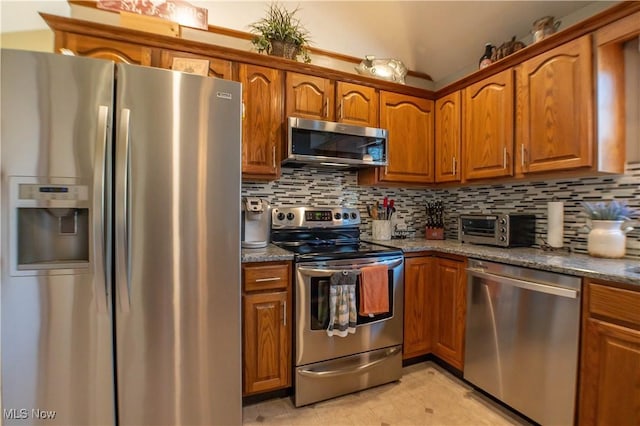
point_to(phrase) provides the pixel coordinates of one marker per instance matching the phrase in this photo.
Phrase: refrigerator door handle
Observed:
(99, 270)
(122, 210)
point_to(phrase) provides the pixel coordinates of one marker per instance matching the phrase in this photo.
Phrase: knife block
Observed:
(434, 233)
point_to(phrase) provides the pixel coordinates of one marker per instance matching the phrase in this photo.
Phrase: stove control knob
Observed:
(290, 216)
(503, 229)
(280, 216)
(354, 215)
(503, 238)
(503, 221)
(337, 216)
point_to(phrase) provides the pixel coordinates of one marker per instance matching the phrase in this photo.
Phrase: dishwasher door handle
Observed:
(528, 285)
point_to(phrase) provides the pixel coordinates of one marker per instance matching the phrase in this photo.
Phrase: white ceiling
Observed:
(444, 39)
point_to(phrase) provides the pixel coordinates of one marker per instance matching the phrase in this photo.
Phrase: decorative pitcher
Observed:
(544, 27)
(607, 238)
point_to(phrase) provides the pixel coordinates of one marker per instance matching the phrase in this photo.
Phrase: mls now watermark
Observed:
(25, 413)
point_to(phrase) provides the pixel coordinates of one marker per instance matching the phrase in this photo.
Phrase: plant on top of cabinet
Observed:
(280, 33)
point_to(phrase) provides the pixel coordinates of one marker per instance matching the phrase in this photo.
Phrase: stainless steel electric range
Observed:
(326, 241)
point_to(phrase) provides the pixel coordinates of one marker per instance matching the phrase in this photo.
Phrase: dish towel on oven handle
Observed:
(374, 290)
(342, 304)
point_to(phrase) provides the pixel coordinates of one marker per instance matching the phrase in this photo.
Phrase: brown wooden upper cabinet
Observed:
(262, 120)
(310, 97)
(219, 68)
(100, 48)
(488, 127)
(409, 121)
(554, 101)
(356, 104)
(448, 141)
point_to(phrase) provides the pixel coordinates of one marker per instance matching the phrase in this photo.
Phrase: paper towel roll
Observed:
(555, 223)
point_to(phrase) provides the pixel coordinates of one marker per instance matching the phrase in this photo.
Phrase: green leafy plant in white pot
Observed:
(607, 237)
(280, 33)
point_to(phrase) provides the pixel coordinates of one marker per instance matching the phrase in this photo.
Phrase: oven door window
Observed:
(319, 303)
(479, 227)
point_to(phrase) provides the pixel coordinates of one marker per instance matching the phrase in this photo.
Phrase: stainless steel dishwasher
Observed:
(522, 335)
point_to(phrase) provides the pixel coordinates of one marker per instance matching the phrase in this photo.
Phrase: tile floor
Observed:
(426, 395)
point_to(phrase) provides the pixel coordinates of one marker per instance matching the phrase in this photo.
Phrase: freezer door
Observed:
(177, 232)
(57, 341)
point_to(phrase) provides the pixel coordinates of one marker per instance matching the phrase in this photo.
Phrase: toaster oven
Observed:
(502, 230)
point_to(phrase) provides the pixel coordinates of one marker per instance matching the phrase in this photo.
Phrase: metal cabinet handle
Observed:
(122, 210)
(522, 162)
(273, 158)
(244, 114)
(454, 166)
(101, 267)
(326, 107)
(261, 280)
(284, 313)
(504, 157)
(341, 108)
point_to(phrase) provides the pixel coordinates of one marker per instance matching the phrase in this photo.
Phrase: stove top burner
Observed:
(326, 238)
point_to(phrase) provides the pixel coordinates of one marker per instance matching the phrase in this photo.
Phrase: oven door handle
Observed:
(325, 272)
(351, 369)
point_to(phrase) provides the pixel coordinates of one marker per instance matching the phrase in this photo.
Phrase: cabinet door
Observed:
(262, 121)
(418, 306)
(410, 124)
(488, 127)
(610, 375)
(266, 342)
(447, 142)
(356, 104)
(555, 109)
(95, 47)
(450, 307)
(219, 68)
(309, 97)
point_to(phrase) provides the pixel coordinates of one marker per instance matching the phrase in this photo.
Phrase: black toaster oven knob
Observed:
(503, 238)
(503, 221)
(503, 229)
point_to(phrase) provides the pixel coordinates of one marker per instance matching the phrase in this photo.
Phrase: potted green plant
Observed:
(280, 33)
(607, 237)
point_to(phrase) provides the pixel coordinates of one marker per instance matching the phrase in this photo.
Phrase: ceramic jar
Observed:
(381, 229)
(607, 238)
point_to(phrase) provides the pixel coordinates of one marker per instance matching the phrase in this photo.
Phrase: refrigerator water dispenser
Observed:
(50, 227)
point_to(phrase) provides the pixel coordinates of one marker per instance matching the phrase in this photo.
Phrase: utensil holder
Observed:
(434, 233)
(381, 229)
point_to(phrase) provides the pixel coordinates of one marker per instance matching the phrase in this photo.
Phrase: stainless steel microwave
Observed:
(502, 230)
(326, 143)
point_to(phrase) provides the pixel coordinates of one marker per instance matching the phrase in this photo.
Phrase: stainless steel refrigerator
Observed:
(120, 244)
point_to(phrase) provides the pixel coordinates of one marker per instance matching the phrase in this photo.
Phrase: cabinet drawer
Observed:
(614, 303)
(265, 277)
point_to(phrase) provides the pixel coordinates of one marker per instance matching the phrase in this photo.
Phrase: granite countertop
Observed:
(270, 253)
(618, 270)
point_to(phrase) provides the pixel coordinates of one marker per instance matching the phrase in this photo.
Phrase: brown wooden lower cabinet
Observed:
(610, 356)
(435, 308)
(266, 327)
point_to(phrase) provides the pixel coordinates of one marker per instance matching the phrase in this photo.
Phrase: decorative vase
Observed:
(284, 50)
(607, 238)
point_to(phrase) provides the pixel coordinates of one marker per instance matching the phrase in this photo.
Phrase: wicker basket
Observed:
(284, 50)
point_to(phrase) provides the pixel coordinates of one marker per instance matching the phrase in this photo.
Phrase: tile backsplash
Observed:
(325, 187)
